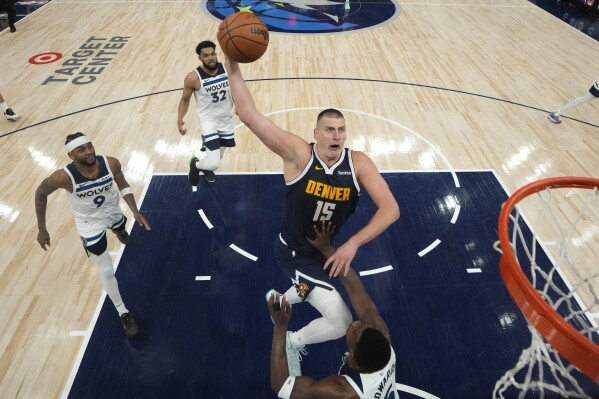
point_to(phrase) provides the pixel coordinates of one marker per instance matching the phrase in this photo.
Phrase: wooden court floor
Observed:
(444, 85)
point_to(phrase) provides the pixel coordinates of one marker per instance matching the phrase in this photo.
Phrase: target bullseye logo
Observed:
(45, 58)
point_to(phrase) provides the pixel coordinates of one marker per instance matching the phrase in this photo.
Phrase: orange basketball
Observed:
(243, 37)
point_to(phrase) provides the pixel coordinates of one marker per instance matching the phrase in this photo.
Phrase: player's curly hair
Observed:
(203, 45)
(372, 351)
(72, 137)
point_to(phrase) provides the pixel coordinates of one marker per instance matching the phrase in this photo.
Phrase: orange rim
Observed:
(572, 345)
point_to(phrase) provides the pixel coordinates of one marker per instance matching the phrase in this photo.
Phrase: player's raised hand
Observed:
(279, 309)
(341, 259)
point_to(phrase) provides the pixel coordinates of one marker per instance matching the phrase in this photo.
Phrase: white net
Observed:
(558, 252)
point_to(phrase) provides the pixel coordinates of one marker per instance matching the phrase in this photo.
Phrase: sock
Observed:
(4, 106)
(111, 286)
(575, 103)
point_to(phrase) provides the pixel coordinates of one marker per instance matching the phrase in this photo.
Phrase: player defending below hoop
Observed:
(214, 106)
(368, 369)
(323, 184)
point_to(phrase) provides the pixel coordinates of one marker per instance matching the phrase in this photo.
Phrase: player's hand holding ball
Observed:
(243, 37)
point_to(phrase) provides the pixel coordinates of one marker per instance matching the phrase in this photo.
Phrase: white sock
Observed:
(209, 162)
(4, 106)
(334, 323)
(575, 103)
(111, 286)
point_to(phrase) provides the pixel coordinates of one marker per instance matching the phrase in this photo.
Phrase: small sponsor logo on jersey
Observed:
(318, 168)
(344, 172)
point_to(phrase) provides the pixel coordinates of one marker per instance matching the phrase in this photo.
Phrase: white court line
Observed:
(77, 333)
(594, 315)
(455, 214)
(415, 391)
(113, 253)
(429, 248)
(376, 271)
(202, 278)
(550, 243)
(205, 218)
(242, 252)
(474, 270)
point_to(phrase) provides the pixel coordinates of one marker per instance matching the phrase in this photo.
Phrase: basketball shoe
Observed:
(554, 118)
(294, 356)
(129, 325)
(10, 115)
(194, 172)
(209, 175)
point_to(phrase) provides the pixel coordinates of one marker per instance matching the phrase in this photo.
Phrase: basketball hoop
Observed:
(559, 319)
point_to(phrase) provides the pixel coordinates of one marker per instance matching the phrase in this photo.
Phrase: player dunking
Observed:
(214, 107)
(323, 184)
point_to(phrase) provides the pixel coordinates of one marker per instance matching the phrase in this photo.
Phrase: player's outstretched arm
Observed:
(386, 214)
(291, 148)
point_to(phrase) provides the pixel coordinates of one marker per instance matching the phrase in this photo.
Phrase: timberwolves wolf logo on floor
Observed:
(310, 16)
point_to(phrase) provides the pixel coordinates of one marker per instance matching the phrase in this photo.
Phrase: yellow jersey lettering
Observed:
(310, 187)
(323, 190)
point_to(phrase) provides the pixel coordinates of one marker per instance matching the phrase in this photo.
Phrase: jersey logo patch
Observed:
(318, 168)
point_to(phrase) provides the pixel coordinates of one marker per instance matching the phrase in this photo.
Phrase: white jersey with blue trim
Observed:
(377, 385)
(94, 202)
(213, 100)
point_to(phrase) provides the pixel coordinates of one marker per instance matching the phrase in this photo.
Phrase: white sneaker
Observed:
(10, 115)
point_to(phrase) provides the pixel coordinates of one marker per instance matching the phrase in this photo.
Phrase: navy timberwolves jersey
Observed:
(319, 194)
(213, 100)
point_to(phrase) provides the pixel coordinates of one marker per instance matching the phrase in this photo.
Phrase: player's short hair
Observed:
(72, 137)
(203, 45)
(372, 351)
(330, 113)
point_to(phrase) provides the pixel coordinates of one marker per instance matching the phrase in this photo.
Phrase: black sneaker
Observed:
(10, 115)
(209, 175)
(123, 236)
(129, 325)
(194, 172)
(203, 149)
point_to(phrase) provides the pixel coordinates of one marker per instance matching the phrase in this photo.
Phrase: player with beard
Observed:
(214, 106)
(89, 182)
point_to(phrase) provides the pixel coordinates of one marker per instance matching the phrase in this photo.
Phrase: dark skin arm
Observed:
(359, 298)
(332, 387)
(121, 182)
(56, 180)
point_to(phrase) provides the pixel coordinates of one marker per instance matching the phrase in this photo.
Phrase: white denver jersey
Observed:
(213, 100)
(94, 202)
(377, 385)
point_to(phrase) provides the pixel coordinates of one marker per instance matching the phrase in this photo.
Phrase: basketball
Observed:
(243, 37)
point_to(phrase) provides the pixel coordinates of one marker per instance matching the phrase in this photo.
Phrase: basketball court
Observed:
(449, 100)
